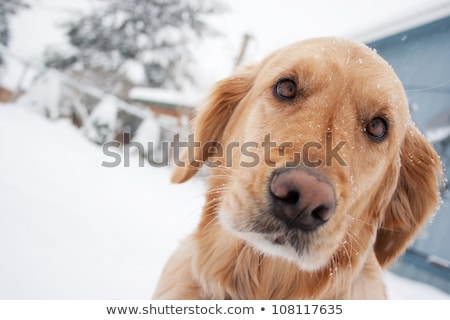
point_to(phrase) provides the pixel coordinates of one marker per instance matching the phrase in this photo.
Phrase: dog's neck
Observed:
(232, 269)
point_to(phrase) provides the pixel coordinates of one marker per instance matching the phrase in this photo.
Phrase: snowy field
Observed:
(72, 229)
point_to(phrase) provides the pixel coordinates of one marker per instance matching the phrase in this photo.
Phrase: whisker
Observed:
(360, 221)
(429, 88)
(349, 257)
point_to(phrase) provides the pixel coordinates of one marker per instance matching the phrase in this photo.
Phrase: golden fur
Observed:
(384, 191)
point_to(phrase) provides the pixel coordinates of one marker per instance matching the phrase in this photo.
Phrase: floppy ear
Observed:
(211, 121)
(414, 200)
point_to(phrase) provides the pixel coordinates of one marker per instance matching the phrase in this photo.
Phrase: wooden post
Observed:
(246, 38)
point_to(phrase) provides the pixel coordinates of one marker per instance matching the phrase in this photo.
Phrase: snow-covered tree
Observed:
(7, 9)
(156, 33)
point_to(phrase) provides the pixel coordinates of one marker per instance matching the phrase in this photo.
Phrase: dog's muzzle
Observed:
(302, 198)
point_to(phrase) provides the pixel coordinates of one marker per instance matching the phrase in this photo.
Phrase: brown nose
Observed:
(301, 198)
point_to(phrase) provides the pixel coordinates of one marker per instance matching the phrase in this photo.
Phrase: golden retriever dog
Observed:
(318, 179)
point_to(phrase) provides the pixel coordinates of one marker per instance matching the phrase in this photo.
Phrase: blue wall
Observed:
(421, 58)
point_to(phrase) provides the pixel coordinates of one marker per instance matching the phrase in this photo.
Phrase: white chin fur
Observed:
(307, 262)
(284, 251)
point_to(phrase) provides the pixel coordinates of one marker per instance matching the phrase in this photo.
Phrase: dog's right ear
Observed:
(416, 197)
(211, 121)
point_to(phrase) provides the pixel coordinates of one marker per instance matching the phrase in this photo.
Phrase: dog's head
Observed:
(314, 157)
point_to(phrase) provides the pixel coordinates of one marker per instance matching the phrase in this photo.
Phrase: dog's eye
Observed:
(286, 89)
(377, 129)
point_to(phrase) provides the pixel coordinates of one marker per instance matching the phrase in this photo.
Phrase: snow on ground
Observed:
(72, 229)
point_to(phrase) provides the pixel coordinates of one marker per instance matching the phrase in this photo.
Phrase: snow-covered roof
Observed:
(164, 97)
(387, 29)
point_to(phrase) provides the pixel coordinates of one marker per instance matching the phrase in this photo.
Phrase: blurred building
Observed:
(418, 49)
(170, 106)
